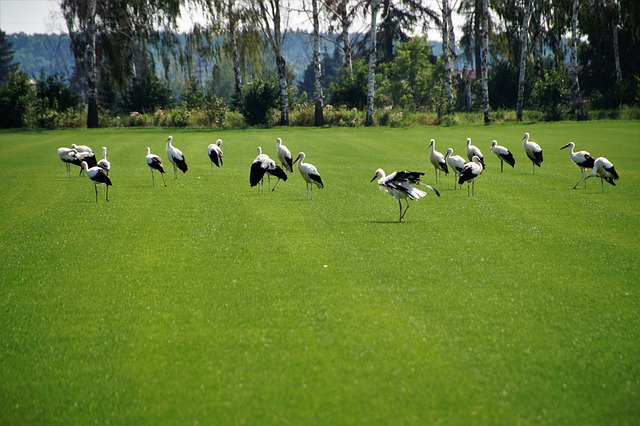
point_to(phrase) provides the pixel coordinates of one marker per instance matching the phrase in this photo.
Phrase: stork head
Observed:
(219, 142)
(379, 175)
(431, 142)
(299, 157)
(494, 143)
(570, 144)
(526, 137)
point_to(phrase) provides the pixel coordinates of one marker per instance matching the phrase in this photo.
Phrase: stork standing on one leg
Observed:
(98, 176)
(456, 163)
(470, 172)
(155, 163)
(503, 154)
(68, 157)
(604, 169)
(582, 159)
(309, 173)
(437, 159)
(533, 151)
(400, 186)
(176, 158)
(215, 154)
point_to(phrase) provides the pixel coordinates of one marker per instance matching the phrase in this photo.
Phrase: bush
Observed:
(17, 97)
(258, 99)
(552, 95)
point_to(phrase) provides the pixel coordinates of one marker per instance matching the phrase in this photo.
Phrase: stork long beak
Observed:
(374, 178)
(295, 161)
(566, 146)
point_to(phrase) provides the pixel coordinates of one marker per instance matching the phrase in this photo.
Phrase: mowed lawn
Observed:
(206, 302)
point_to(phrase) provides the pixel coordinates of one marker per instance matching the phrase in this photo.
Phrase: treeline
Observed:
(534, 60)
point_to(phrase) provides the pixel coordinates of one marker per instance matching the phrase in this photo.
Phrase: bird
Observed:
(87, 156)
(437, 159)
(81, 148)
(533, 151)
(68, 157)
(155, 163)
(503, 154)
(104, 163)
(176, 158)
(456, 162)
(284, 155)
(215, 154)
(474, 150)
(470, 172)
(582, 159)
(605, 170)
(400, 186)
(309, 173)
(98, 176)
(263, 164)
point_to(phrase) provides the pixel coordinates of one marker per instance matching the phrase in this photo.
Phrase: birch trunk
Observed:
(485, 60)
(446, 49)
(235, 54)
(372, 63)
(317, 68)
(523, 58)
(616, 46)
(575, 83)
(92, 67)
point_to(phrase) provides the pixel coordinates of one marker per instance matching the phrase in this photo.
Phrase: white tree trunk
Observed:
(575, 83)
(524, 36)
(317, 68)
(446, 51)
(92, 67)
(485, 60)
(372, 63)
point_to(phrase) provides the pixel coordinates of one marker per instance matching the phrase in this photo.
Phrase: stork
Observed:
(437, 159)
(104, 163)
(176, 158)
(582, 159)
(215, 154)
(456, 162)
(155, 163)
(309, 173)
(470, 172)
(503, 154)
(533, 151)
(87, 156)
(400, 186)
(263, 164)
(604, 169)
(68, 157)
(284, 155)
(474, 150)
(98, 176)
(81, 148)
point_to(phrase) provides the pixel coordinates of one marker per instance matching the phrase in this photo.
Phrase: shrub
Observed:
(551, 94)
(258, 99)
(17, 97)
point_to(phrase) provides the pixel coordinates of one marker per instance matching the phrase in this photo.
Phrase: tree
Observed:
(446, 50)
(523, 57)
(7, 65)
(485, 60)
(374, 4)
(318, 98)
(576, 96)
(341, 16)
(271, 22)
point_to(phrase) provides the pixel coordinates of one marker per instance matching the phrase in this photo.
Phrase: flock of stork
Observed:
(400, 184)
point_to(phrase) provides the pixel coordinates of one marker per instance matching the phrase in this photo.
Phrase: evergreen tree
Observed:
(6, 57)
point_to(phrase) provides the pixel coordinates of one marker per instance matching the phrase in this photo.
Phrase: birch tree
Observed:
(576, 96)
(317, 69)
(372, 62)
(485, 60)
(446, 51)
(524, 36)
(270, 12)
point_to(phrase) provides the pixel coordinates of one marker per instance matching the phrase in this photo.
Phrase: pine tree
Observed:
(6, 57)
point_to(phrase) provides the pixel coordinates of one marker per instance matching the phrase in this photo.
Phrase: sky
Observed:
(44, 16)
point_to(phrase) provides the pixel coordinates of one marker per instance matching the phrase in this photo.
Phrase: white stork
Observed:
(68, 157)
(533, 151)
(604, 169)
(582, 159)
(176, 158)
(264, 164)
(503, 154)
(285, 157)
(437, 159)
(215, 154)
(155, 163)
(87, 156)
(81, 148)
(104, 163)
(309, 173)
(456, 162)
(98, 176)
(470, 172)
(474, 150)
(400, 186)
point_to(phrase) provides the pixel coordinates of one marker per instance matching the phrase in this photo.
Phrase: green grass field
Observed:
(207, 303)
